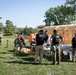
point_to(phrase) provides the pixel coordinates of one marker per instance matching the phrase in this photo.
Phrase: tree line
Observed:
(10, 29)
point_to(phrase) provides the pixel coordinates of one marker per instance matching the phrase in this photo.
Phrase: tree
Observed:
(41, 26)
(59, 15)
(10, 28)
(1, 26)
(27, 31)
(72, 3)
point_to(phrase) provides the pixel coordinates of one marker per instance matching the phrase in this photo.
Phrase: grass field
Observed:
(23, 64)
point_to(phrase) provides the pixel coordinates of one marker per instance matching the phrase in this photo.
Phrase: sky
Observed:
(28, 13)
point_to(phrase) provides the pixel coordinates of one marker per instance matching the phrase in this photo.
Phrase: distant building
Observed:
(19, 28)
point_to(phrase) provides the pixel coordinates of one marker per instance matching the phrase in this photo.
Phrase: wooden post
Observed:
(7, 43)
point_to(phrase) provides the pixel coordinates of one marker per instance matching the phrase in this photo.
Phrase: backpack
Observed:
(56, 39)
(74, 41)
(40, 37)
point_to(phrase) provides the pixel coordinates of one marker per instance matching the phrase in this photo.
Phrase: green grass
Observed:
(23, 64)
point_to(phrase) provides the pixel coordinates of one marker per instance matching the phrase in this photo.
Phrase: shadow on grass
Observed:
(66, 60)
(5, 53)
(10, 50)
(28, 59)
(20, 62)
(2, 57)
(27, 62)
(20, 55)
(63, 58)
(48, 57)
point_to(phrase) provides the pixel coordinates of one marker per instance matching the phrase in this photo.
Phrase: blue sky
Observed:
(26, 12)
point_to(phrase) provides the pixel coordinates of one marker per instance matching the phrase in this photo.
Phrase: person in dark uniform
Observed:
(56, 39)
(73, 48)
(39, 45)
